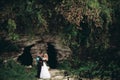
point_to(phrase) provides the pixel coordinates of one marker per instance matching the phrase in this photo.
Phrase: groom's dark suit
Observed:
(39, 64)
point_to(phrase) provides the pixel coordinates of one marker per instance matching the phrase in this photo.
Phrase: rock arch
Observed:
(52, 45)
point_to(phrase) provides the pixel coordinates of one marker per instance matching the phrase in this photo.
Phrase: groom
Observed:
(39, 64)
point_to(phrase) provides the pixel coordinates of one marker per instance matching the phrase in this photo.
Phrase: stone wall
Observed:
(63, 52)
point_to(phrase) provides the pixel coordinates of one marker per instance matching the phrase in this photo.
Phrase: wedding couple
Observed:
(42, 69)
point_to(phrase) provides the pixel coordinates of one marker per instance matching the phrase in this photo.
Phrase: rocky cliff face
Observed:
(57, 52)
(48, 44)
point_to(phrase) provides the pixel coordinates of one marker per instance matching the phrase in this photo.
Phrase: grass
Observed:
(13, 71)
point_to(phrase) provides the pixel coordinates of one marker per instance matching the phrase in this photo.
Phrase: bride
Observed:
(45, 74)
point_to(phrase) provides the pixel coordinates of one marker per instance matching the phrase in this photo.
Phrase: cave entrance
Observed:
(52, 53)
(26, 58)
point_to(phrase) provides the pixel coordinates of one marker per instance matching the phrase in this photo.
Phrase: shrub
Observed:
(13, 71)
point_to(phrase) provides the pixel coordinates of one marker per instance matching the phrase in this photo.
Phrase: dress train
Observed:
(45, 74)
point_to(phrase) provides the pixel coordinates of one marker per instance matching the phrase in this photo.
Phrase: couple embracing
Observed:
(42, 69)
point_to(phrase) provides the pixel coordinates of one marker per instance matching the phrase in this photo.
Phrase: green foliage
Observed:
(13, 71)
(69, 37)
(90, 68)
(11, 25)
(23, 17)
(41, 20)
(64, 65)
(11, 30)
(13, 36)
(93, 4)
(90, 20)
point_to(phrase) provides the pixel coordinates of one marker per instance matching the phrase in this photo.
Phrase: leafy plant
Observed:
(12, 70)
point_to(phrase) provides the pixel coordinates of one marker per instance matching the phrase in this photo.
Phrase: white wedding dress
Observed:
(45, 74)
